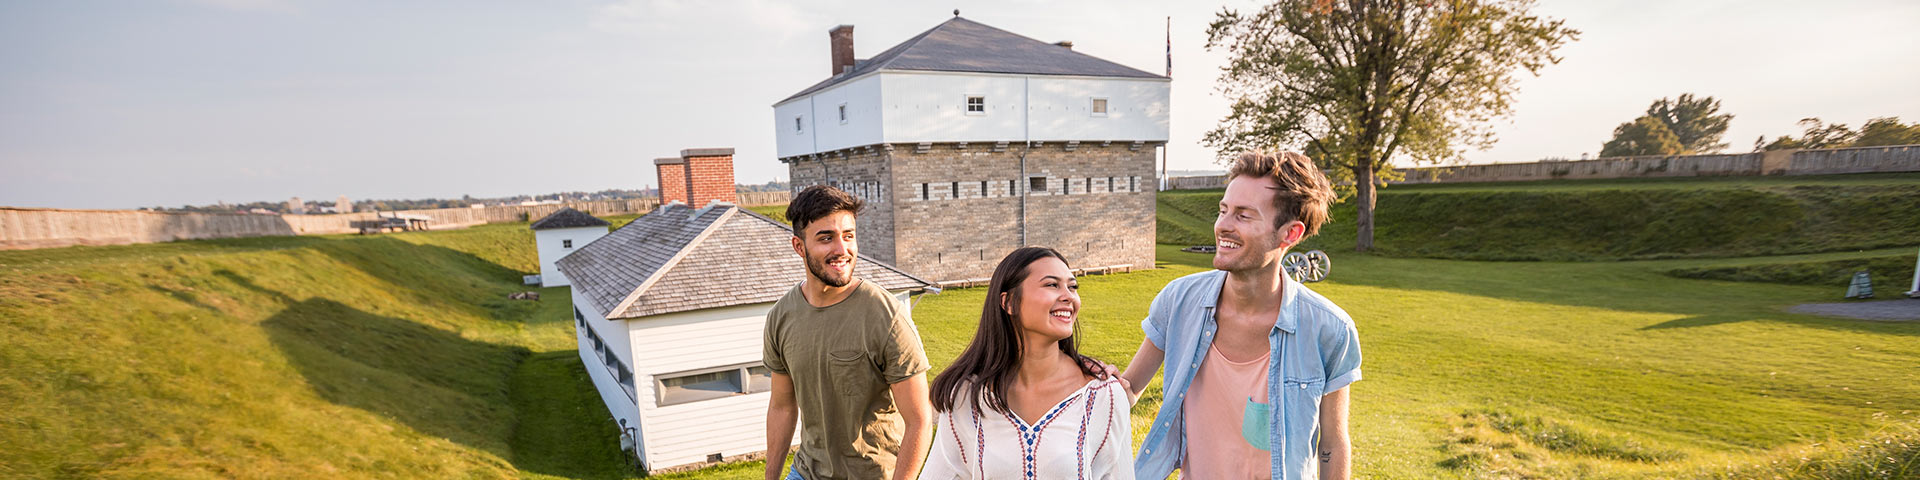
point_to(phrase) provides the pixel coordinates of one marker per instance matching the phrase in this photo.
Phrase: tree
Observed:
(1696, 122)
(1887, 131)
(1816, 134)
(1357, 84)
(1646, 135)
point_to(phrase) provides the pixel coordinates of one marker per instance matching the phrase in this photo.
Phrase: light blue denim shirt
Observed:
(1315, 350)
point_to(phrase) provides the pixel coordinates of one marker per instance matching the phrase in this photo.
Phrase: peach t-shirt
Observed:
(1223, 394)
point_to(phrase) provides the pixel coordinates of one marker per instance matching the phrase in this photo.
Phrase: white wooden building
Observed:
(670, 311)
(559, 234)
(964, 81)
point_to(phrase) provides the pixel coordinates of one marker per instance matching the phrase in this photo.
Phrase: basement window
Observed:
(976, 105)
(1099, 107)
(711, 383)
(699, 386)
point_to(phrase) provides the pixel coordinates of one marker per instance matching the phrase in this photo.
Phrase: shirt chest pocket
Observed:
(851, 373)
(1300, 403)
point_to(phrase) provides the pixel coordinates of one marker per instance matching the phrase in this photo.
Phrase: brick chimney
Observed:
(841, 38)
(673, 179)
(709, 175)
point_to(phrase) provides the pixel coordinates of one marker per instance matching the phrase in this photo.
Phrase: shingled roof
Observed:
(678, 259)
(567, 217)
(962, 45)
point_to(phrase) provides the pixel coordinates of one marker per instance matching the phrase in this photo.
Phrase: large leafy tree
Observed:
(1696, 122)
(1646, 135)
(1357, 84)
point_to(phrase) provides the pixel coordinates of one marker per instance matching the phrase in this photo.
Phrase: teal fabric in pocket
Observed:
(1253, 424)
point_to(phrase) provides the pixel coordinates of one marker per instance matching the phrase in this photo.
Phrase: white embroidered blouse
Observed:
(1088, 435)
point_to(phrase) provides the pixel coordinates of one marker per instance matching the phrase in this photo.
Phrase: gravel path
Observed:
(1885, 310)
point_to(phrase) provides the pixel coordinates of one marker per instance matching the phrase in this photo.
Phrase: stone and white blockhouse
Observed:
(559, 234)
(968, 141)
(669, 312)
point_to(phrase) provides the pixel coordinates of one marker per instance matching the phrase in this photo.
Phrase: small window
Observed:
(953, 191)
(567, 243)
(923, 192)
(699, 386)
(983, 188)
(843, 114)
(1110, 183)
(1013, 187)
(976, 105)
(797, 128)
(1037, 184)
(1099, 107)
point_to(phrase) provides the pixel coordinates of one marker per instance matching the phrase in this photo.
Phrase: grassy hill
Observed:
(393, 355)
(400, 356)
(1611, 219)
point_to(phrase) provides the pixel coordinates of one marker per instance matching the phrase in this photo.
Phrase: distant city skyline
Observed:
(137, 104)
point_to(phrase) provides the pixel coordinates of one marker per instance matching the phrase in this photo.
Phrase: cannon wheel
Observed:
(1296, 265)
(1318, 266)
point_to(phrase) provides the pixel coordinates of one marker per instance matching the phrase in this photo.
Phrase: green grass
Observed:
(393, 355)
(398, 355)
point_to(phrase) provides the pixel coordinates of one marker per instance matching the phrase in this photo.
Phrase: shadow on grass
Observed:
(1698, 321)
(564, 428)
(434, 381)
(538, 411)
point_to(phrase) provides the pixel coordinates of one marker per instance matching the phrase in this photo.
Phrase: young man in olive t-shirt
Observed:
(846, 360)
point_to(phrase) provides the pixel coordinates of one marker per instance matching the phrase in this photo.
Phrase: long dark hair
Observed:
(987, 367)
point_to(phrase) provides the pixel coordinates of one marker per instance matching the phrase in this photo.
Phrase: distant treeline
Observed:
(314, 206)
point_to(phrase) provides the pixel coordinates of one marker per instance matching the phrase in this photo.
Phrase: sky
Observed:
(128, 104)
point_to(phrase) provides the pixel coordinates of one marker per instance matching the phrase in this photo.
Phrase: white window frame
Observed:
(1098, 106)
(743, 382)
(566, 243)
(966, 104)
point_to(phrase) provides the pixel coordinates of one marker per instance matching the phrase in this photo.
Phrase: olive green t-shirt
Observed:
(843, 360)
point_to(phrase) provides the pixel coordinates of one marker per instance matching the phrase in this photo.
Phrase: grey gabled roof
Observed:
(678, 259)
(962, 45)
(567, 217)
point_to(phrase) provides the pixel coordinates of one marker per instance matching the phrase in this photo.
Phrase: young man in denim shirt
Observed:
(1256, 364)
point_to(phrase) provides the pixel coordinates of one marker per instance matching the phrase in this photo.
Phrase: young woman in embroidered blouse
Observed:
(1021, 402)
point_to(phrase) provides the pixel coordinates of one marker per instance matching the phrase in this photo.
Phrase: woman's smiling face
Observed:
(1049, 300)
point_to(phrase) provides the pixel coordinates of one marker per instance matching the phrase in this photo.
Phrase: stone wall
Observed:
(956, 210)
(24, 228)
(1902, 158)
(1899, 158)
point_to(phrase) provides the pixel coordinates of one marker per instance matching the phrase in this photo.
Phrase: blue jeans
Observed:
(794, 475)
